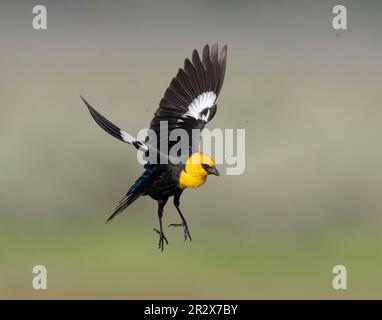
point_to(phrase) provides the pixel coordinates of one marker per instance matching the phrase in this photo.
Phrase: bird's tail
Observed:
(137, 189)
(112, 129)
(130, 197)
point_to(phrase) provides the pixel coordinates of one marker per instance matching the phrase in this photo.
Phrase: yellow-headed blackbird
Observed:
(188, 103)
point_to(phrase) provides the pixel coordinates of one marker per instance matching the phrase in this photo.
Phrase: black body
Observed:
(188, 103)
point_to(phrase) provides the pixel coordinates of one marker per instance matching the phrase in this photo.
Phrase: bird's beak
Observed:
(213, 170)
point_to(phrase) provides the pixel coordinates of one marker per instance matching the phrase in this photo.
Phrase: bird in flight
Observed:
(188, 104)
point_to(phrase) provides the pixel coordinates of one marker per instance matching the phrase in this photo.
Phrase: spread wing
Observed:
(190, 100)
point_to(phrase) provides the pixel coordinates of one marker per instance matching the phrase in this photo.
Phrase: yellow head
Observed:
(200, 164)
(197, 167)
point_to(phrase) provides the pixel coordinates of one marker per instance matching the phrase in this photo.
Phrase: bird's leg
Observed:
(162, 237)
(187, 234)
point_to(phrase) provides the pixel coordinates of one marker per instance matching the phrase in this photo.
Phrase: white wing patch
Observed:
(131, 140)
(203, 101)
(126, 137)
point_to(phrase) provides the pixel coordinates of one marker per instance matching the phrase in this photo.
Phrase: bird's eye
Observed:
(205, 166)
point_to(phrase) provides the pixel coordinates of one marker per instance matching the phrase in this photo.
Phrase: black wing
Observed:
(190, 100)
(112, 129)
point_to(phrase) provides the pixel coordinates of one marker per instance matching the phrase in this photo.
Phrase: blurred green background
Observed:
(308, 96)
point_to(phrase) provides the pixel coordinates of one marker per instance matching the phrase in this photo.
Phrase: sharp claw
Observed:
(162, 238)
(188, 236)
(175, 225)
(185, 230)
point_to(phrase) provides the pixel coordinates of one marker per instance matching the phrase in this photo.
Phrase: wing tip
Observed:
(110, 218)
(83, 99)
(91, 109)
(207, 49)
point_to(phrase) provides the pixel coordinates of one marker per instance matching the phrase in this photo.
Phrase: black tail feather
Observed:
(124, 203)
(137, 189)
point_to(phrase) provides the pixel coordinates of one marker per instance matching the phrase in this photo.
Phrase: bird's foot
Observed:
(187, 234)
(162, 239)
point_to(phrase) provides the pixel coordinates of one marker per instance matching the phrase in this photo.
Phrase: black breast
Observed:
(166, 183)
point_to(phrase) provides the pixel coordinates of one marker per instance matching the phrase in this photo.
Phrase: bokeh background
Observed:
(308, 96)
